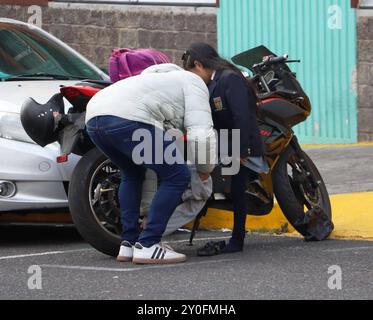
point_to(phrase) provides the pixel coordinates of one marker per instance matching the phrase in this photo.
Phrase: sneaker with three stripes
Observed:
(156, 254)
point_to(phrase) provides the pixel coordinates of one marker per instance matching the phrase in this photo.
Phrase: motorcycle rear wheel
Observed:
(93, 202)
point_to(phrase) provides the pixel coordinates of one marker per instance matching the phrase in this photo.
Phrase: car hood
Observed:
(14, 93)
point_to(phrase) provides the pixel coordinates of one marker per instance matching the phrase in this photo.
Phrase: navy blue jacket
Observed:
(233, 106)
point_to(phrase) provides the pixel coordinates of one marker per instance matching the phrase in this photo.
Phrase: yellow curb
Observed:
(315, 146)
(220, 219)
(352, 217)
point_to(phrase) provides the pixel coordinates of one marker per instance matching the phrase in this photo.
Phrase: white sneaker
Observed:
(125, 252)
(156, 254)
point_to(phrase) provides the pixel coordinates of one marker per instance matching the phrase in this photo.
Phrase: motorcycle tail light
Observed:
(70, 93)
(63, 158)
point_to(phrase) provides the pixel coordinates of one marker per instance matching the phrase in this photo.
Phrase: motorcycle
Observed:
(292, 178)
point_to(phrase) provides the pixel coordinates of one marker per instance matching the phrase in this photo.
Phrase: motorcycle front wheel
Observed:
(294, 191)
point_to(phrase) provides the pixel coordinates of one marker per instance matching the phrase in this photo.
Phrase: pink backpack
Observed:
(124, 63)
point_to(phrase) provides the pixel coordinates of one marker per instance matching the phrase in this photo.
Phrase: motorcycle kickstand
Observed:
(196, 223)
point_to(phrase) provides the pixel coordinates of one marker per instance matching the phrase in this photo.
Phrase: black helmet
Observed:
(40, 120)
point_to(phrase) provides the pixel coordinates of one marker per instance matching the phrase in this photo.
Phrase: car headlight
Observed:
(11, 127)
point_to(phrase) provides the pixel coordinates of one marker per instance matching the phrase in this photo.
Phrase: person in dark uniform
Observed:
(233, 105)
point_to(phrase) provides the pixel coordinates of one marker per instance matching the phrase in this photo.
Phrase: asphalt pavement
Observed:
(270, 267)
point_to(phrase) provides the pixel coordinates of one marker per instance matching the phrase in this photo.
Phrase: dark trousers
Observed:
(113, 136)
(240, 207)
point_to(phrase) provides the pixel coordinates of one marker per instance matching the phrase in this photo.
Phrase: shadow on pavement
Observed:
(11, 235)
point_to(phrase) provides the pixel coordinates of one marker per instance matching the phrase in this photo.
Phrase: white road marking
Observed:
(164, 266)
(88, 249)
(43, 254)
(349, 249)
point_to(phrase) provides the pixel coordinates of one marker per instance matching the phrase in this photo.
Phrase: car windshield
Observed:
(27, 51)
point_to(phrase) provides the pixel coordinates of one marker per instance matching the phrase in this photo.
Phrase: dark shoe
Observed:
(211, 249)
(232, 247)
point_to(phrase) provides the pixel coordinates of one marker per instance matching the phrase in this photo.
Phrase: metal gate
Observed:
(322, 33)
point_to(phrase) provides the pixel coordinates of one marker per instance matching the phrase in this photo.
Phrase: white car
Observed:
(33, 64)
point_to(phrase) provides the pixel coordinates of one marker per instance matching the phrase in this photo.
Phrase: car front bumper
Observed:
(38, 178)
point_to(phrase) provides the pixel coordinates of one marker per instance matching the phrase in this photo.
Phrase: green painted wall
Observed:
(322, 33)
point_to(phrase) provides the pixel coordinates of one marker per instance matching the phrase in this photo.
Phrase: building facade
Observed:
(365, 72)
(333, 38)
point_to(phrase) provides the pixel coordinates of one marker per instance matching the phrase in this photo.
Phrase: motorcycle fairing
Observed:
(259, 203)
(282, 111)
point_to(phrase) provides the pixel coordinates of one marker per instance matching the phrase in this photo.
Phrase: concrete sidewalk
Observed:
(348, 175)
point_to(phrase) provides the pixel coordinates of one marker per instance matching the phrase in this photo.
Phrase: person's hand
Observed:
(203, 176)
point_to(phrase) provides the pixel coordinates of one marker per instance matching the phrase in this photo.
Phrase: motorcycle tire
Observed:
(84, 219)
(286, 196)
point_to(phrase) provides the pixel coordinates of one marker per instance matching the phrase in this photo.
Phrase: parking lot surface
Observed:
(270, 267)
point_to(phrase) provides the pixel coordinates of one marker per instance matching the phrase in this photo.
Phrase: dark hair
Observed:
(207, 56)
(210, 59)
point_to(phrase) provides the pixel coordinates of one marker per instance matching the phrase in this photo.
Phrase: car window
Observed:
(25, 50)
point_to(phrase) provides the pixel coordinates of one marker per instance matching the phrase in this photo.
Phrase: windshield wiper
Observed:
(42, 75)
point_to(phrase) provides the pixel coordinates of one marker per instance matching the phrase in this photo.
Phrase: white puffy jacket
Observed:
(165, 96)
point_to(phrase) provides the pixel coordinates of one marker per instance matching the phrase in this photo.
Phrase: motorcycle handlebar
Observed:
(278, 59)
(273, 60)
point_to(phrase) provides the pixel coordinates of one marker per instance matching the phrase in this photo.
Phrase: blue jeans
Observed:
(113, 136)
